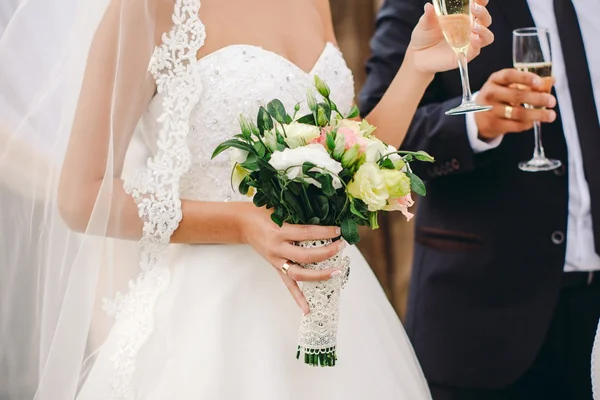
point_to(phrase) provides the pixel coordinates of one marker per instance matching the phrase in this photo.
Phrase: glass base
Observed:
(468, 107)
(539, 165)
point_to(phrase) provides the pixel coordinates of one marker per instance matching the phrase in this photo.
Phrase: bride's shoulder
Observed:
(147, 17)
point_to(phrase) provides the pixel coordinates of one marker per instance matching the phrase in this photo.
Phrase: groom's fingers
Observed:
(296, 293)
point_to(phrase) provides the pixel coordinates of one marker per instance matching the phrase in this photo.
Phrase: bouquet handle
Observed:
(317, 340)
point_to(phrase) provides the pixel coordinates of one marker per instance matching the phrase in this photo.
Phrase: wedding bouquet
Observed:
(323, 168)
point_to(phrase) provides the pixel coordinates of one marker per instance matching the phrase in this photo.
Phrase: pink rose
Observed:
(322, 139)
(351, 139)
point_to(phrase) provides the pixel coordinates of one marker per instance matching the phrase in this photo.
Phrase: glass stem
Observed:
(464, 76)
(538, 150)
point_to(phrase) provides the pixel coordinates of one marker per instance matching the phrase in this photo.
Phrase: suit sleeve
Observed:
(444, 137)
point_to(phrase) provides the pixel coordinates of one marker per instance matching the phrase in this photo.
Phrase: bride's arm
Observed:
(115, 92)
(427, 54)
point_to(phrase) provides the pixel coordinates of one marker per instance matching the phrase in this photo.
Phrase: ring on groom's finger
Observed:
(285, 267)
(508, 110)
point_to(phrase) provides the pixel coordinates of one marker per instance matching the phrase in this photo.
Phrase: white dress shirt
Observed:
(581, 255)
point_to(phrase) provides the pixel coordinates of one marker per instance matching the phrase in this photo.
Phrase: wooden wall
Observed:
(389, 249)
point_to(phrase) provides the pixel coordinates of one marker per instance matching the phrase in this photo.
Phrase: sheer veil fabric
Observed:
(53, 282)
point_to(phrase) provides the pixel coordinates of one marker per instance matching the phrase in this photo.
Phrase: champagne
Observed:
(455, 20)
(541, 69)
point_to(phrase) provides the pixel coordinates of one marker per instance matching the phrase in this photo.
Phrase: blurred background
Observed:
(389, 249)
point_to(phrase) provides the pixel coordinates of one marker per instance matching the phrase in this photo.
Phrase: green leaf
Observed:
(295, 188)
(260, 199)
(279, 215)
(354, 112)
(313, 221)
(275, 218)
(307, 119)
(327, 185)
(416, 184)
(350, 230)
(244, 187)
(322, 206)
(260, 149)
(277, 111)
(238, 144)
(407, 158)
(264, 120)
(307, 166)
(357, 213)
(295, 204)
(423, 156)
(386, 163)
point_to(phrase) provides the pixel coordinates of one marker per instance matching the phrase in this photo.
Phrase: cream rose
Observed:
(290, 161)
(396, 182)
(298, 134)
(369, 186)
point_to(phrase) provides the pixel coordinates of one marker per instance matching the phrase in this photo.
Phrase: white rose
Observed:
(375, 150)
(290, 161)
(298, 134)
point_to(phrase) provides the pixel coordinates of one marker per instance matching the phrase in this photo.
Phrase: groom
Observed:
(505, 290)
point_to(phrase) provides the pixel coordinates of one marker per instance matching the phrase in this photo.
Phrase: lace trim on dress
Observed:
(156, 189)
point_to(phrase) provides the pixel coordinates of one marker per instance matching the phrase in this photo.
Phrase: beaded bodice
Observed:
(237, 80)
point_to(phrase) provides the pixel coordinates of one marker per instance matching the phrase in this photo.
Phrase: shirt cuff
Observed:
(478, 145)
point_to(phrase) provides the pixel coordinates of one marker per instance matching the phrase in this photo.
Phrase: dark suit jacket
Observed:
(490, 239)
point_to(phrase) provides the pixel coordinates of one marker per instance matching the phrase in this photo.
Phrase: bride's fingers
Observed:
(309, 255)
(298, 233)
(299, 274)
(296, 293)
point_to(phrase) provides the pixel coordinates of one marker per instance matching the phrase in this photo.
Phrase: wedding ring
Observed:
(284, 268)
(508, 110)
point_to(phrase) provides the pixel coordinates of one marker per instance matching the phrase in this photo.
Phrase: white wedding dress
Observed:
(217, 323)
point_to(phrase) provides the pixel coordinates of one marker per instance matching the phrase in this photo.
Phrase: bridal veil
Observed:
(55, 282)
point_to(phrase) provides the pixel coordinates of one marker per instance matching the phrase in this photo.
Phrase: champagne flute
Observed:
(455, 20)
(532, 53)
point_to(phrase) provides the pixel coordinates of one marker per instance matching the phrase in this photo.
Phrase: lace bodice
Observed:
(237, 80)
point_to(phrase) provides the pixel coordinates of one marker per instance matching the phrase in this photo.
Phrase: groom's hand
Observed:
(507, 91)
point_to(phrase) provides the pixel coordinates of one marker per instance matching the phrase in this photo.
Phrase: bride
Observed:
(210, 316)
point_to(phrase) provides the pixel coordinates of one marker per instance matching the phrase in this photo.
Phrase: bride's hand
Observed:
(274, 244)
(431, 53)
